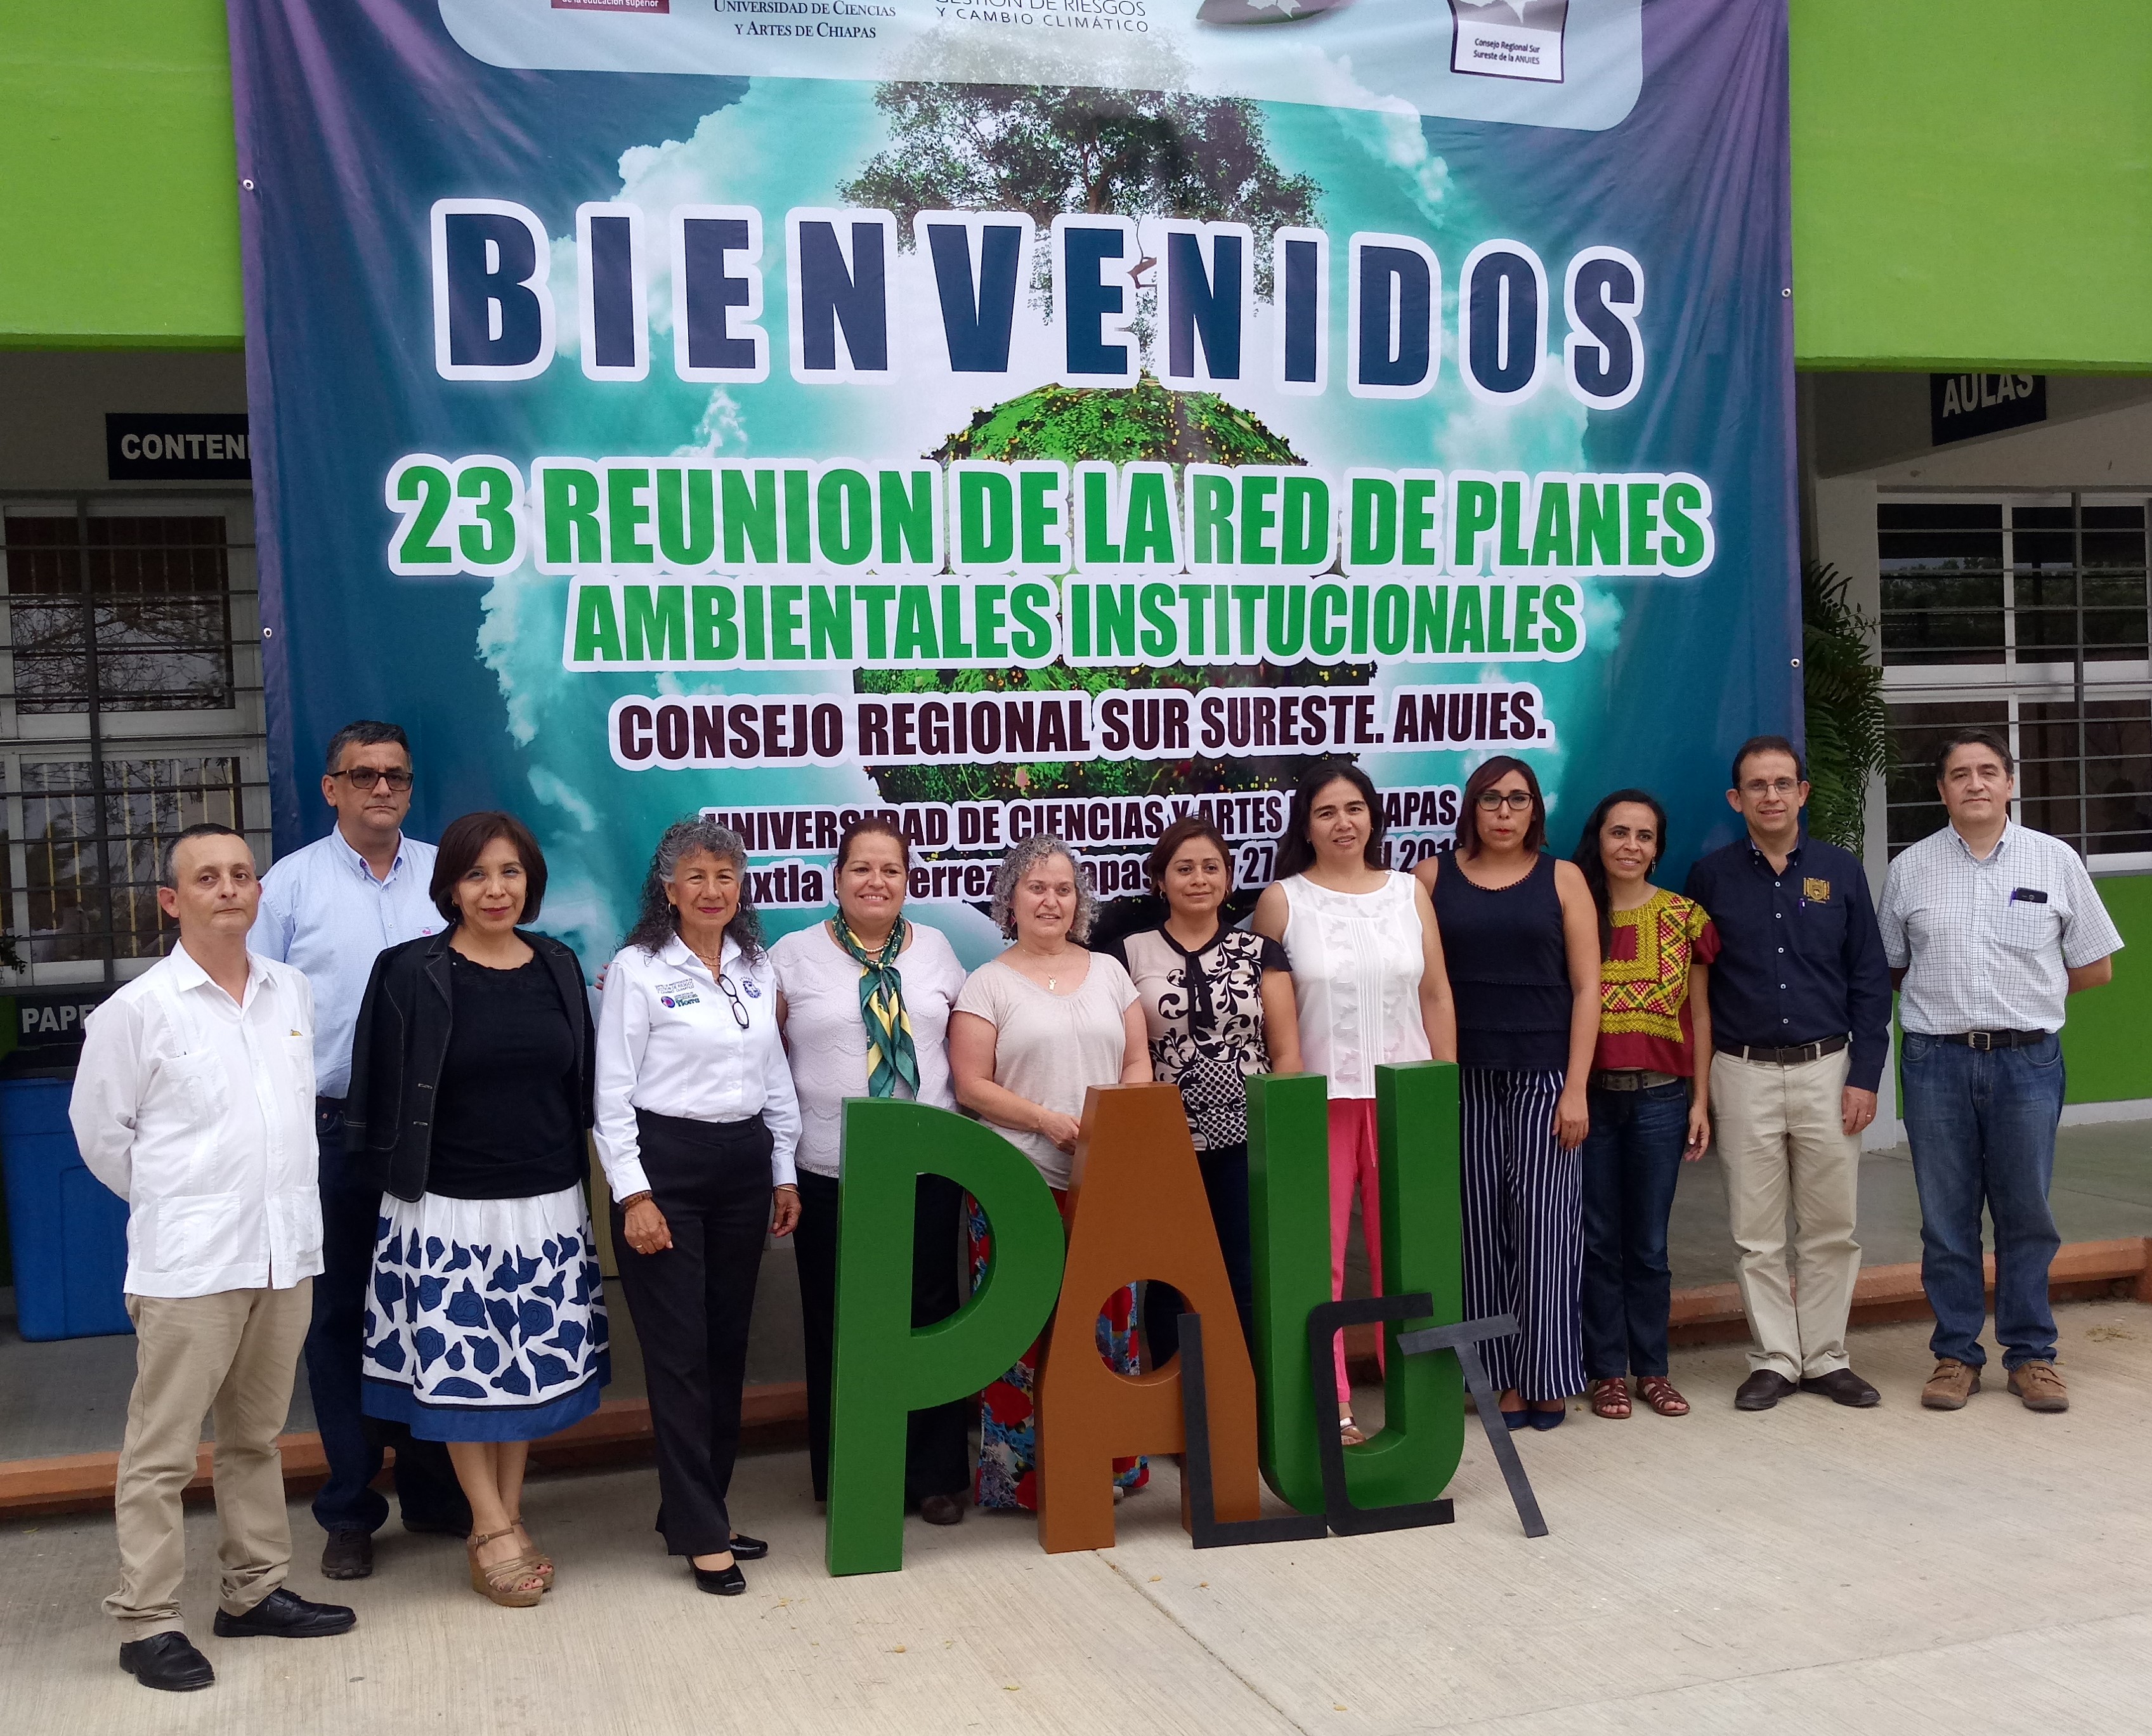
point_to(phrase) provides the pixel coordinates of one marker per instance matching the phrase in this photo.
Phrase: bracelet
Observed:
(634, 1200)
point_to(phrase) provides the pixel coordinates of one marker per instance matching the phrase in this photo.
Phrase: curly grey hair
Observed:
(658, 921)
(1020, 859)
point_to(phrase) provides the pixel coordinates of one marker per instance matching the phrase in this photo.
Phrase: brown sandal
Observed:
(1610, 1398)
(544, 1561)
(513, 1584)
(1350, 1433)
(1658, 1391)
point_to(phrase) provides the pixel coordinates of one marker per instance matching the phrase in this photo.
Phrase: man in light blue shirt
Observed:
(330, 909)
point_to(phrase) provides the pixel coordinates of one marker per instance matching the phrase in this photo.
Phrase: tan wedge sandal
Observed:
(533, 1552)
(513, 1584)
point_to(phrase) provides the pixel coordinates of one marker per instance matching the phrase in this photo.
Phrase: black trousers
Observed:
(1225, 1184)
(937, 1444)
(692, 1305)
(426, 1483)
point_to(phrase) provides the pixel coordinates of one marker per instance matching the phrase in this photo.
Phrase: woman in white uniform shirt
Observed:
(864, 999)
(696, 1124)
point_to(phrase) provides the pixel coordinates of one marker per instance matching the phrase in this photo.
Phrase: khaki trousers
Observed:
(1783, 1148)
(233, 1353)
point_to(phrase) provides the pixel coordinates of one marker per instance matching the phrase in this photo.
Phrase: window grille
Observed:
(130, 708)
(2029, 615)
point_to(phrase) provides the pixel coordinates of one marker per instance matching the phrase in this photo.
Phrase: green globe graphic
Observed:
(1118, 425)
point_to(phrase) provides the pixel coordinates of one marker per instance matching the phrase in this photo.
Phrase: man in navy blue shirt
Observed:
(1800, 1020)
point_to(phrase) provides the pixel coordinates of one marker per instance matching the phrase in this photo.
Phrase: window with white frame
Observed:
(130, 708)
(2030, 615)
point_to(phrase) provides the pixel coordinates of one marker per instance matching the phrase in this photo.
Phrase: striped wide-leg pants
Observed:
(1524, 1231)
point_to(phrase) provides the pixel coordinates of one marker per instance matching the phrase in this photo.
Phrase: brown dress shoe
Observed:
(1951, 1385)
(2039, 1386)
(1762, 1390)
(943, 1510)
(1842, 1386)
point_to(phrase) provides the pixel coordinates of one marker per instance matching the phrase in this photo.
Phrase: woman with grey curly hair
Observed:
(696, 1124)
(1033, 1032)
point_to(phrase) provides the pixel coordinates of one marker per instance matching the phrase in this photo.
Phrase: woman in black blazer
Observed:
(470, 1099)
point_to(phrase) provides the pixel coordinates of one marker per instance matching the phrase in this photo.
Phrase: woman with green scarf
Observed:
(864, 998)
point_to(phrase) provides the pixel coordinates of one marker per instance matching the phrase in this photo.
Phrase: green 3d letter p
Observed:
(884, 1368)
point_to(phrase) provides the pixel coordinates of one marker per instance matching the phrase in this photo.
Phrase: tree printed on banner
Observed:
(1044, 150)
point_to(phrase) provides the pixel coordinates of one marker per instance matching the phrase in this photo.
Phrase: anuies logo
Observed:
(1508, 38)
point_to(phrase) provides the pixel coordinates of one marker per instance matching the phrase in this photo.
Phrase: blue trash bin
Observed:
(68, 1230)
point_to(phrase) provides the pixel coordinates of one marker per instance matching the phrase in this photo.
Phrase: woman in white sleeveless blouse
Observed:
(1368, 984)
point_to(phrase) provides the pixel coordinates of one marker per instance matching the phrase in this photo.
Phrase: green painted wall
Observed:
(2106, 1045)
(1973, 183)
(118, 215)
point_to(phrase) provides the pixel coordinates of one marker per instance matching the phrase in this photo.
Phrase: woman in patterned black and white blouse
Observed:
(1218, 1005)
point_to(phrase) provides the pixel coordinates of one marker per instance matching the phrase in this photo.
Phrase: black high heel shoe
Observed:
(720, 1581)
(748, 1549)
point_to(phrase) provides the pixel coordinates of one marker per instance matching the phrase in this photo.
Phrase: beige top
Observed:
(1051, 1049)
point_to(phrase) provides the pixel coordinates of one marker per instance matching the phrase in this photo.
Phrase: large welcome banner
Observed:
(1041, 416)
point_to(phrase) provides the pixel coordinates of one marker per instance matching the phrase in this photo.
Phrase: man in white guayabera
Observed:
(194, 1102)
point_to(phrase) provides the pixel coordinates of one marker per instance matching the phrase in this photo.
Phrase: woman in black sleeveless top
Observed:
(1521, 938)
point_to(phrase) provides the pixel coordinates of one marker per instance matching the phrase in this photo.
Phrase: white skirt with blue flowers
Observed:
(486, 1320)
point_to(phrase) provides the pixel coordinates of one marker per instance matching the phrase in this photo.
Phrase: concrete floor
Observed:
(1812, 1569)
(71, 1396)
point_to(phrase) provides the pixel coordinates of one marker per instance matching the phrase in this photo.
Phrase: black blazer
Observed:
(401, 1040)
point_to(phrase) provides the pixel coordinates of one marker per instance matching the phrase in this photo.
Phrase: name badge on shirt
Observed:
(678, 994)
(1816, 891)
(2028, 895)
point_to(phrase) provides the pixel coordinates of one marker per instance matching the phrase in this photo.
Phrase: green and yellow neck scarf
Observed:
(890, 1053)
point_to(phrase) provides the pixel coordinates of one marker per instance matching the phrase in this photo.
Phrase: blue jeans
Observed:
(1632, 1158)
(1982, 1128)
(426, 1486)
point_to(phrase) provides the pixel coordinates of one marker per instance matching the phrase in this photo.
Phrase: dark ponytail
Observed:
(1593, 865)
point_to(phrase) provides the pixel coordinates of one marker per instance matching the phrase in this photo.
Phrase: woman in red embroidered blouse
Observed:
(1649, 1099)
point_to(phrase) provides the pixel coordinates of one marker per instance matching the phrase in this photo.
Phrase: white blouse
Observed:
(827, 1040)
(670, 1042)
(1357, 959)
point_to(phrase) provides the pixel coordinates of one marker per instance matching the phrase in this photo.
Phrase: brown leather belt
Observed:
(1793, 1057)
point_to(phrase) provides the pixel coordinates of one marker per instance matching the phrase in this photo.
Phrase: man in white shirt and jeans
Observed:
(192, 1102)
(331, 909)
(1988, 926)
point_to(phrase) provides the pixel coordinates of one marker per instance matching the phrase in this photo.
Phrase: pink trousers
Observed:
(1353, 1165)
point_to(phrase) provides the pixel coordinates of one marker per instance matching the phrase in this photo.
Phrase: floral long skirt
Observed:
(1008, 1435)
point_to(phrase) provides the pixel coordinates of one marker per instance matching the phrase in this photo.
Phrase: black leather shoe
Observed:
(748, 1549)
(1842, 1386)
(1762, 1390)
(943, 1510)
(166, 1661)
(721, 1581)
(427, 1525)
(348, 1554)
(285, 1614)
